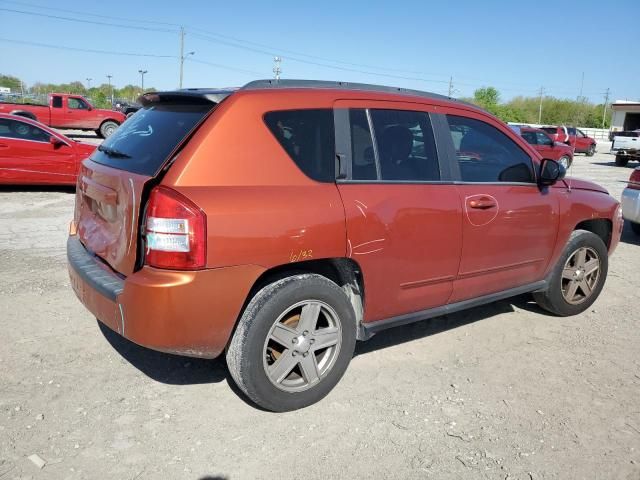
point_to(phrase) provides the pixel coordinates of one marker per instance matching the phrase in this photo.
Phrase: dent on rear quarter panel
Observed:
(261, 209)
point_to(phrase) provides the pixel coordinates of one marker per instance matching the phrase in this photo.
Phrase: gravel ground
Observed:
(498, 392)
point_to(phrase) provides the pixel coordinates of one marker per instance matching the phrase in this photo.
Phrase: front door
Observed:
(76, 113)
(403, 213)
(509, 223)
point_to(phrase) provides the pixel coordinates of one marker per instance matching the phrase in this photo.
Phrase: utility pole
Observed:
(110, 88)
(540, 107)
(581, 86)
(277, 70)
(604, 109)
(89, 83)
(182, 55)
(142, 72)
(450, 86)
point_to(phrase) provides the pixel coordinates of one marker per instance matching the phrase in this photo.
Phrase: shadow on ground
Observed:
(178, 370)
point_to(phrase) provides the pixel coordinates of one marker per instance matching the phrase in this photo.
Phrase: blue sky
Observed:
(517, 47)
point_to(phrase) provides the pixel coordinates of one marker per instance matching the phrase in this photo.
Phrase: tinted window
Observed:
(406, 147)
(77, 104)
(307, 136)
(543, 139)
(362, 152)
(485, 154)
(56, 102)
(530, 137)
(146, 139)
(22, 131)
(551, 130)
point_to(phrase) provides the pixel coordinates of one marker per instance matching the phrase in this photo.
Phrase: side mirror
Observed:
(55, 141)
(89, 107)
(550, 172)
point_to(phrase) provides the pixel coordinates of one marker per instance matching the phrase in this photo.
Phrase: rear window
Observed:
(143, 143)
(308, 137)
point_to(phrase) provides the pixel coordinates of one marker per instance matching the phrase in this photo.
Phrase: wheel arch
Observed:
(26, 114)
(602, 227)
(344, 272)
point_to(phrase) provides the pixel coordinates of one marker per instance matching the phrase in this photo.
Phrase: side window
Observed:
(56, 102)
(362, 152)
(530, 137)
(77, 104)
(485, 154)
(543, 139)
(308, 137)
(405, 145)
(22, 131)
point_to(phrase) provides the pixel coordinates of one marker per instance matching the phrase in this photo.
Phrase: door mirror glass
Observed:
(550, 172)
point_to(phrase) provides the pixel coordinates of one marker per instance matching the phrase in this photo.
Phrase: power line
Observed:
(217, 65)
(94, 22)
(56, 9)
(88, 50)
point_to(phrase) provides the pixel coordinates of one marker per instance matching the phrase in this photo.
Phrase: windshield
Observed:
(143, 143)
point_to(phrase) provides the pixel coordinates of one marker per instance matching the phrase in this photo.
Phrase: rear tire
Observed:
(293, 342)
(578, 277)
(591, 151)
(107, 128)
(622, 160)
(635, 227)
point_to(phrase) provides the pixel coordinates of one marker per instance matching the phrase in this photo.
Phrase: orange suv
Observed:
(283, 221)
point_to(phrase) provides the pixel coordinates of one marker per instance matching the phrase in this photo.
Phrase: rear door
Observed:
(111, 184)
(403, 213)
(509, 225)
(28, 157)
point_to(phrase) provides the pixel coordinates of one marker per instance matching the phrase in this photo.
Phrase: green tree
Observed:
(14, 83)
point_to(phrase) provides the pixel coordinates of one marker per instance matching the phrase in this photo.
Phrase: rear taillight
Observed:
(175, 231)
(634, 180)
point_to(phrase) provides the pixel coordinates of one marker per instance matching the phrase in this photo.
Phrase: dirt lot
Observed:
(499, 392)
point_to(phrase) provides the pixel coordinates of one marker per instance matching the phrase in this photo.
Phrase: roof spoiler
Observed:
(193, 96)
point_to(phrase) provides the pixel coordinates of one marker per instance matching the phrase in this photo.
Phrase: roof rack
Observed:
(277, 84)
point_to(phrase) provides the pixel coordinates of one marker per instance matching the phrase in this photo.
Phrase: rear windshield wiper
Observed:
(112, 152)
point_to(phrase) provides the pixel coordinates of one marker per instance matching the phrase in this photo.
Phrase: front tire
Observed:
(635, 227)
(107, 128)
(578, 277)
(622, 160)
(293, 342)
(591, 151)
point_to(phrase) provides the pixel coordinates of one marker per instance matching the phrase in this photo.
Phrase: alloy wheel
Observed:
(302, 346)
(580, 275)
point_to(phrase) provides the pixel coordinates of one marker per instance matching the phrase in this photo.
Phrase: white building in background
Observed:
(625, 116)
(5, 90)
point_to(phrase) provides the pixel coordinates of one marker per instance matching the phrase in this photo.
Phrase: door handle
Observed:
(482, 203)
(4, 145)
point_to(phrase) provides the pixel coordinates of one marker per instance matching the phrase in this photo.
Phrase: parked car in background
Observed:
(631, 201)
(362, 212)
(127, 108)
(33, 154)
(574, 137)
(65, 111)
(543, 143)
(626, 148)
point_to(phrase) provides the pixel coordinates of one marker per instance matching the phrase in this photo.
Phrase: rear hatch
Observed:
(115, 180)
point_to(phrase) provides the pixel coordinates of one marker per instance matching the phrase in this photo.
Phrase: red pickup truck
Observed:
(68, 112)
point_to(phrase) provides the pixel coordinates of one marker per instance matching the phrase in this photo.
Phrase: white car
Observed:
(631, 201)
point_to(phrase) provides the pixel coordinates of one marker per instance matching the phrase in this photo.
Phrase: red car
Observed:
(543, 143)
(68, 111)
(32, 154)
(574, 137)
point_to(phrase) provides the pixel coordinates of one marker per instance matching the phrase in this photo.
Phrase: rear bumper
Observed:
(631, 205)
(186, 313)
